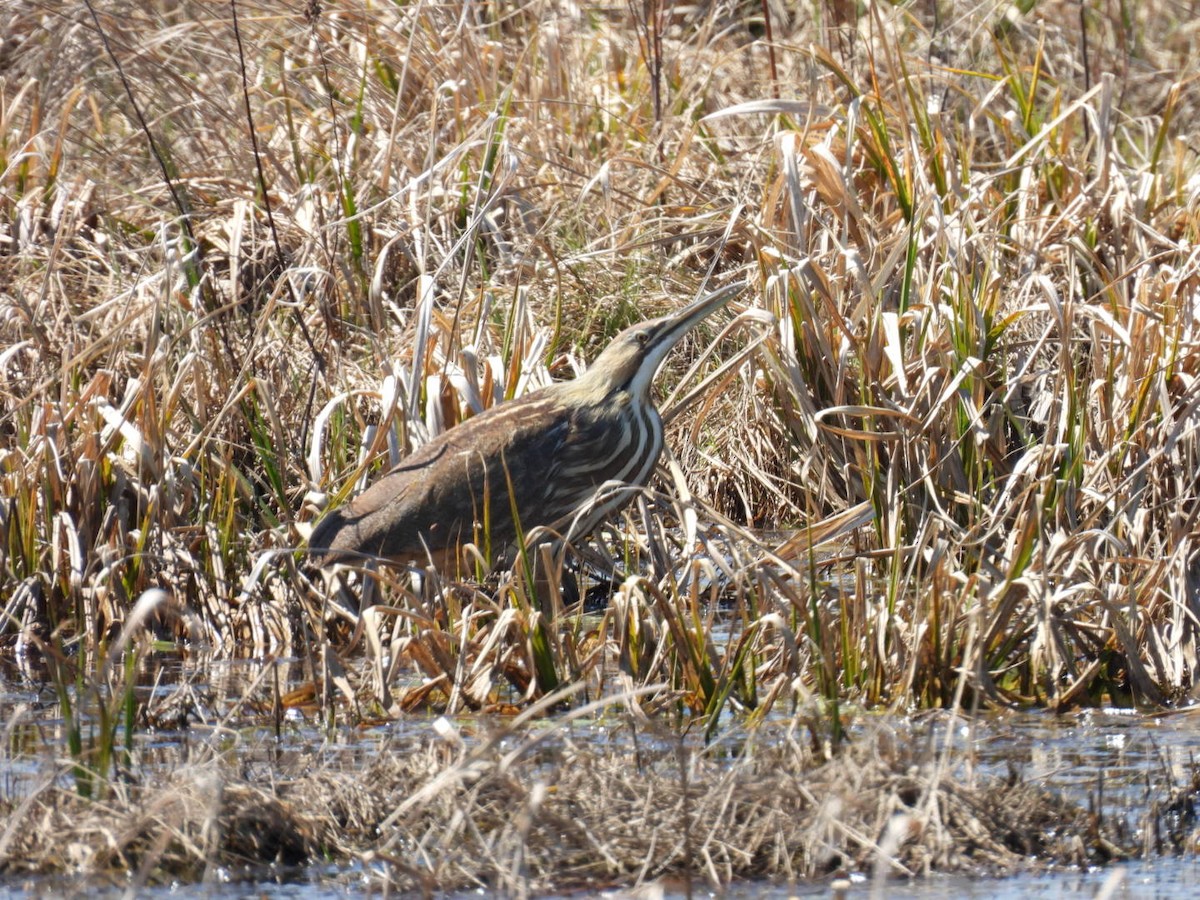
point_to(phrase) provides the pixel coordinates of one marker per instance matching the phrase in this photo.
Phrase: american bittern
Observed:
(551, 458)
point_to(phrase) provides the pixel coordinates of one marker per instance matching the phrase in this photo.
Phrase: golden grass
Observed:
(963, 391)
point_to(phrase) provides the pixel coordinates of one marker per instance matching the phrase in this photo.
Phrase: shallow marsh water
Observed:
(1163, 879)
(1114, 759)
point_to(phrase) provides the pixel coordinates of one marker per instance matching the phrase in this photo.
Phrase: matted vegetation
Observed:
(246, 261)
(520, 811)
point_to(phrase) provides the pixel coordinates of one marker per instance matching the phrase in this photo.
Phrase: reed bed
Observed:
(943, 453)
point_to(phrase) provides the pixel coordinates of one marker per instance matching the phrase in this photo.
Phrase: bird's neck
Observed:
(584, 391)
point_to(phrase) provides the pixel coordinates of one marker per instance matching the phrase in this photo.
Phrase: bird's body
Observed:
(561, 457)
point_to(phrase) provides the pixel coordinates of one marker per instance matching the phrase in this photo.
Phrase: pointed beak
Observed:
(678, 324)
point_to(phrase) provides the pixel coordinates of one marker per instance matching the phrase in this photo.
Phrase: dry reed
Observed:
(247, 262)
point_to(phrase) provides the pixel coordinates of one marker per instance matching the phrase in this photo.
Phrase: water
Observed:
(1164, 879)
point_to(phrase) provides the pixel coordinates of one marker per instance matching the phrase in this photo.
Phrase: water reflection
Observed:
(180, 695)
(1118, 751)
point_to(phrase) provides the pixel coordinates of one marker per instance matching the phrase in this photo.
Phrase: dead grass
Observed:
(962, 392)
(520, 811)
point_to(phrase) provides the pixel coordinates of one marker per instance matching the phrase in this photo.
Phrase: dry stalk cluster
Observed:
(246, 260)
(522, 810)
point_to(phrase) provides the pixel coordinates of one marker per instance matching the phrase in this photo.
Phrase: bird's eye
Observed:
(642, 337)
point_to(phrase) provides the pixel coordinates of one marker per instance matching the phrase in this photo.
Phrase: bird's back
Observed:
(450, 491)
(541, 456)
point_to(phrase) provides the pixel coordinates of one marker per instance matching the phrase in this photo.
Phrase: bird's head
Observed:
(630, 362)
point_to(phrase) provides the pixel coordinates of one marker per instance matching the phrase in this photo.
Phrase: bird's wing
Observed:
(456, 488)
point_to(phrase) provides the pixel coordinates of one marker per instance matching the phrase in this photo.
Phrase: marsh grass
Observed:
(592, 799)
(243, 270)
